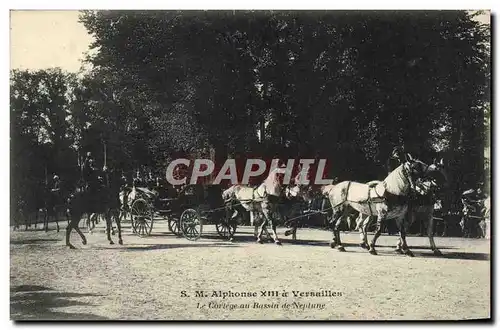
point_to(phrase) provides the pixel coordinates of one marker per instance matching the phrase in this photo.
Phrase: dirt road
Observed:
(169, 278)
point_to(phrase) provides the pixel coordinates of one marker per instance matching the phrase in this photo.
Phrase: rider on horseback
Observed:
(397, 157)
(89, 172)
(56, 184)
(55, 192)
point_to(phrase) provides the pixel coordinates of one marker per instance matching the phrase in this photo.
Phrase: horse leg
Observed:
(252, 224)
(55, 216)
(261, 231)
(108, 219)
(381, 215)
(359, 227)
(404, 225)
(363, 234)
(430, 233)
(335, 215)
(82, 236)
(406, 249)
(268, 211)
(46, 220)
(119, 228)
(87, 223)
(72, 224)
(336, 228)
(90, 222)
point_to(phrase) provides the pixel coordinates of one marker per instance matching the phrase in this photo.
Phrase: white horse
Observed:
(386, 199)
(261, 201)
(422, 204)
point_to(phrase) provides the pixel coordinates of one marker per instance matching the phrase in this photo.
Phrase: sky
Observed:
(46, 39)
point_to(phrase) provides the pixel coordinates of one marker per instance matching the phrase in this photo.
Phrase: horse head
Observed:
(415, 169)
(437, 171)
(402, 180)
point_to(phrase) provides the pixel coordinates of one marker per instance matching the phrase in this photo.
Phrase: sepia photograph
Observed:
(253, 165)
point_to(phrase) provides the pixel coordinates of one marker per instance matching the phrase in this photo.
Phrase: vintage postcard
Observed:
(250, 165)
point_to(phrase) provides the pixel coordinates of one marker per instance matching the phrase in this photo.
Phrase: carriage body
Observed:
(186, 211)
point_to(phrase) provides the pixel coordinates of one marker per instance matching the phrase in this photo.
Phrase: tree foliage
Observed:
(346, 86)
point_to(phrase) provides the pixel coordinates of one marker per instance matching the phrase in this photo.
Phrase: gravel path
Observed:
(167, 278)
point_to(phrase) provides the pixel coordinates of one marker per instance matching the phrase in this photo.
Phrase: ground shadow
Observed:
(458, 255)
(308, 242)
(419, 247)
(34, 241)
(160, 234)
(22, 229)
(168, 246)
(35, 303)
(29, 288)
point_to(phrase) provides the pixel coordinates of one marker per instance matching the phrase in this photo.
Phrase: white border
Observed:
(185, 4)
(254, 4)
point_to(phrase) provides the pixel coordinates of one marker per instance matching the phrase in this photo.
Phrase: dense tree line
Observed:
(346, 86)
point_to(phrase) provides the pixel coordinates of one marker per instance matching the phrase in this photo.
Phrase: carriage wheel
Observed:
(190, 224)
(173, 226)
(142, 218)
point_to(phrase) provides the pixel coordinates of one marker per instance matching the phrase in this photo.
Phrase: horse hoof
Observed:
(364, 246)
(399, 251)
(120, 242)
(84, 242)
(278, 243)
(288, 233)
(111, 242)
(260, 241)
(333, 244)
(372, 251)
(71, 247)
(409, 253)
(436, 252)
(341, 248)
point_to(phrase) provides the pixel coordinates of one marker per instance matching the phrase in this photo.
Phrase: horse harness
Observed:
(385, 196)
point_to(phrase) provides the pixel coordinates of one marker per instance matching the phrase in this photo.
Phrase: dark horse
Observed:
(100, 198)
(54, 206)
(39, 202)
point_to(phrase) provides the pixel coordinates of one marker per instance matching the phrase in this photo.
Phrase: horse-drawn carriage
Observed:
(186, 211)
